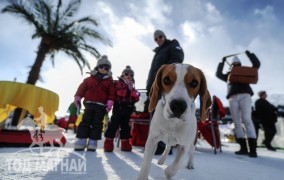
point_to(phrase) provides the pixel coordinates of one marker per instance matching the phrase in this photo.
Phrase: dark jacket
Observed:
(96, 89)
(237, 88)
(265, 112)
(169, 52)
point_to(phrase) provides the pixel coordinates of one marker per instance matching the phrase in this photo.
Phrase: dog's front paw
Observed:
(170, 171)
(162, 160)
(142, 178)
(189, 166)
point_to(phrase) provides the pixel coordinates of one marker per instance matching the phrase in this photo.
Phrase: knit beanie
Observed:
(159, 33)
(236, 60)
(128, 70)
(103, 60)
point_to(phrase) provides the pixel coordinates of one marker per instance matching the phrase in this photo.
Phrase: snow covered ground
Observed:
(64, 163)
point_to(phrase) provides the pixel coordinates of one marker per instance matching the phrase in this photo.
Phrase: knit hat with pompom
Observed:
(103, 61)
(128, 70)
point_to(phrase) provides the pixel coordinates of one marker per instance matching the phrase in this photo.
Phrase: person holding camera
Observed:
(239, 96)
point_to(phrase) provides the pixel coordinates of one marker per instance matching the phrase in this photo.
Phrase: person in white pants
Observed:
(242, 103)
(239, 96)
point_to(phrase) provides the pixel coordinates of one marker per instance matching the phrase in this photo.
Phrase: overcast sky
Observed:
(206, 29)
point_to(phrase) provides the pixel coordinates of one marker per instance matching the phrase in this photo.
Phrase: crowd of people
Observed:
(101, 94)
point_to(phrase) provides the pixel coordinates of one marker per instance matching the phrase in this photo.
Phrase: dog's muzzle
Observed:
(178, 107)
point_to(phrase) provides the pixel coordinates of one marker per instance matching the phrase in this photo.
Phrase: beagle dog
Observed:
(172, 96)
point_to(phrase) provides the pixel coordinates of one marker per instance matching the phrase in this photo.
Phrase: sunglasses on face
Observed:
(159, 37)
(106, 67)
(128, 74)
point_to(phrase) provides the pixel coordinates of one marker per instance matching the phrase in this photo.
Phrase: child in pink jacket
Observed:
(126, 97)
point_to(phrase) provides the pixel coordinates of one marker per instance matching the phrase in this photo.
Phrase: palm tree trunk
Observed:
(33, 77)
(35, 70)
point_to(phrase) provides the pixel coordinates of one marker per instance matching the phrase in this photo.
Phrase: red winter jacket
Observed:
(96, 90)
(124, 94)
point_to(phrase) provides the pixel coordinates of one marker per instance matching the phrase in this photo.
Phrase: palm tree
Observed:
(57, 32)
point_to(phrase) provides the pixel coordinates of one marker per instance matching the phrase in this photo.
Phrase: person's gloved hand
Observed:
(247, 52)
(77, 100)
(109, 105)
(135, 93)
(130, 84)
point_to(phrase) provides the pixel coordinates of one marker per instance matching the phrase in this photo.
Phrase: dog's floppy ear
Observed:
(205, 97)
(156, 89)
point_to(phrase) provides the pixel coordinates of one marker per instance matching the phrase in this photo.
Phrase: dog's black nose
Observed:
(178, 107)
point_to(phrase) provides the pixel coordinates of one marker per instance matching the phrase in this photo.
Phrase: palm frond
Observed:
(83, 32)
(52, 59)
(92, 34)
(90, 49)
(78, 22)
(40, 79)
(72, 9)
(79, 59)
(19, 8)
(57, 15)
(87, 20)
(47, 8)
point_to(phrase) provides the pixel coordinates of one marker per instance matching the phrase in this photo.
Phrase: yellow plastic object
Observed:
(28, 97)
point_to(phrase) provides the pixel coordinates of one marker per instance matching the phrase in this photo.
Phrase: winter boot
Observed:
(243, 144)
(125, 145)
(108, 145)
(252, 147)
(268, 146)
(92, 145)
(80, 144)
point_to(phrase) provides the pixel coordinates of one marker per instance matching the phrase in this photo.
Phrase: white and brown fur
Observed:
(172, 96)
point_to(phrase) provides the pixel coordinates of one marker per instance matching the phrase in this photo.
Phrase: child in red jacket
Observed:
(98, 93)
(126, 97)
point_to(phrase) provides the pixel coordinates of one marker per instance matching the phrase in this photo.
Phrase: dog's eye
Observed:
(167, 81)
(193, 83)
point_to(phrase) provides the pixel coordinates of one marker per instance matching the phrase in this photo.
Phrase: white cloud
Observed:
(157, 11)
(213, 16)
(267, 13)
(191, 30)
